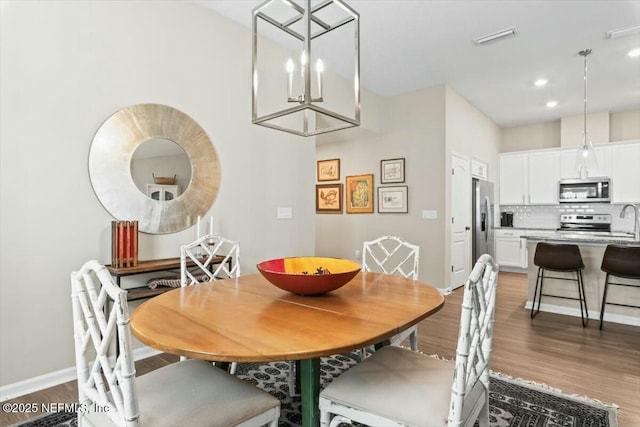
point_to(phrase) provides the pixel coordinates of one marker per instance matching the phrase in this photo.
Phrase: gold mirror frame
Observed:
(109, 167)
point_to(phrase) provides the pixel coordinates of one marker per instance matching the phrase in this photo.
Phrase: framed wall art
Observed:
(393, 199)
(391, 171)
(329, 198)
(328, 170)
(359, 189)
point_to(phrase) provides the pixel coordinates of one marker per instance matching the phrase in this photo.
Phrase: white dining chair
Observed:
(199, 263)
(193, 392)
(399, 387)
(393, 255)
(199, 260)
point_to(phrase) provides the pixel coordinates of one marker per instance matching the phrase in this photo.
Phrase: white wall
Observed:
(424, 127)
(533, 137)
(413, 129)
(572, 129)
(624, 125)
(603, 127)
(471, 133)
(65, 67)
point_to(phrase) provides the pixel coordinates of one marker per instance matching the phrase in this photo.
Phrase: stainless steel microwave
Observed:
(587, 190)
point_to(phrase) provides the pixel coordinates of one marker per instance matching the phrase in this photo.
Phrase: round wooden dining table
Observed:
(247, 319)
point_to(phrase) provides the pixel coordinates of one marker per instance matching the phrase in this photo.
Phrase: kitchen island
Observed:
(592, 247)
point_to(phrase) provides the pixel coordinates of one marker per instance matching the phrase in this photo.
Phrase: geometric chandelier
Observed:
(306, 66)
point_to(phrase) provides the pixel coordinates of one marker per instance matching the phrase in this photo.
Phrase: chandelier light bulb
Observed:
(290, 66)
(319, 70)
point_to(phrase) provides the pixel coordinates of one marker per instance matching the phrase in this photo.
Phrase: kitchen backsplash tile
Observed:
(548, 216)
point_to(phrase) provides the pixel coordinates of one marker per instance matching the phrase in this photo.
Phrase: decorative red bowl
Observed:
(309, 275)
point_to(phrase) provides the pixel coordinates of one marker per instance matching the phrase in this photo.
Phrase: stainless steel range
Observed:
(592, 223)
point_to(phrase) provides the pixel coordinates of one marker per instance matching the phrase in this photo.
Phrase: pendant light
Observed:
(586, 158)
(306, 66)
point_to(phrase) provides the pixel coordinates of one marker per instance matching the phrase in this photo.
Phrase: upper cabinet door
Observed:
(513, 179)
(625, 173)
(544, 173)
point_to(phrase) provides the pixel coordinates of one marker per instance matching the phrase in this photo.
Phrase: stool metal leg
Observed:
(539, 279)
(604, 298)
(583, 299)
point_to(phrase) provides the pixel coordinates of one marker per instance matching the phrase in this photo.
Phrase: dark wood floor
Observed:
(551, 349)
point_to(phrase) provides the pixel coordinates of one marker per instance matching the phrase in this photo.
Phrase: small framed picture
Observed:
(359, 190)
(328, 170)
(391, 171)
(329, 198)
(393, 199)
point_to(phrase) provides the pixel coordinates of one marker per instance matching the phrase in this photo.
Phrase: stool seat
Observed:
(559, 258)
(622, 261)
(619, 261)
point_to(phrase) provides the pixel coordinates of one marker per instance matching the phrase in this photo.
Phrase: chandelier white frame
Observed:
(309, 116)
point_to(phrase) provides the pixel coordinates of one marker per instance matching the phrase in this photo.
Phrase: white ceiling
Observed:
(407, 45)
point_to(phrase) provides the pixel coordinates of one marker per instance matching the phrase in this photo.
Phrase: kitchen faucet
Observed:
(636, 219)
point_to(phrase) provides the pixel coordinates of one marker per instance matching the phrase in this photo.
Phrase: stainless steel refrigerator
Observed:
(482, 219)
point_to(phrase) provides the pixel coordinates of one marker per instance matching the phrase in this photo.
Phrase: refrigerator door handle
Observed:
(488, 208)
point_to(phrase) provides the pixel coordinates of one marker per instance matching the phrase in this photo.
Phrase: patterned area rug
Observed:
(513, 403)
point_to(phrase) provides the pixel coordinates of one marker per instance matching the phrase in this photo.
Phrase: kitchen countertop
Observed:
(525, 228)
(618, 238)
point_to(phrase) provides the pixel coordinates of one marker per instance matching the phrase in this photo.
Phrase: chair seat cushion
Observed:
(196, 393)
(402, 385)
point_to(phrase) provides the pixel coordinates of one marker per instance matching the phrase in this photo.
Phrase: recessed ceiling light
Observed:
(623, 32)
(552, 104)
(541, 82)
(495, 36)
(634, 52)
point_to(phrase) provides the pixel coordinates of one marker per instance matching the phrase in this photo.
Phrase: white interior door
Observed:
(460, 219)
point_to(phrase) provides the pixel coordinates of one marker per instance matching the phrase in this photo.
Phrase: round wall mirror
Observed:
(114, 148)
(161, 169)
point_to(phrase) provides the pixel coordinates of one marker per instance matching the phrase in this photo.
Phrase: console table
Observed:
(152, 266)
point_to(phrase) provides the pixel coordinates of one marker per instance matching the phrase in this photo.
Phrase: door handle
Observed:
(488, 207)
(467, 228)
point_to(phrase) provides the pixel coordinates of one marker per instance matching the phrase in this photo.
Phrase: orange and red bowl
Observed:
(309, 275)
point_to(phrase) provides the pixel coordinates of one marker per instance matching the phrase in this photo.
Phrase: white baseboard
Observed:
(31, 385)
(569, 311)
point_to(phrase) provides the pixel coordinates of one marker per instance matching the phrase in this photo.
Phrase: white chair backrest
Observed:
(203, 254)
(473, 352)
(104, 380)
(391, 255)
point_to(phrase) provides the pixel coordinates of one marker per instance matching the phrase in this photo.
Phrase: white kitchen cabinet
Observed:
(513, 179)
(543, 175)
(625, 173)
(529, 178)
(511, 249)
(163, 192)
(568, 162)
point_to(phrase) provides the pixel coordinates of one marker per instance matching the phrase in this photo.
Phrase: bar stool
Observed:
(619, 261)
(560, 258)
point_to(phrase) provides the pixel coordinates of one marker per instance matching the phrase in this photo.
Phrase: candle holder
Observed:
(124, 244)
